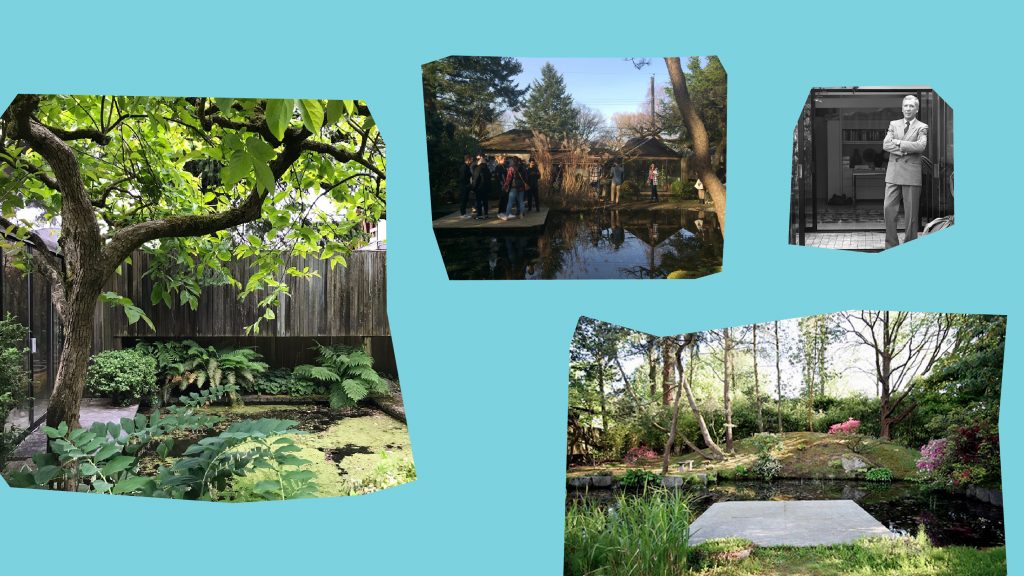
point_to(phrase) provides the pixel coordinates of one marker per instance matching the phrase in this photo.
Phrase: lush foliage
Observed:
(185, 363)
(646, 534)
(349, 373)
(849, 427)
(148, 158)
(124, 376)
(103, 457)
(282, 382)
(463, 99)
(13, 379)
(767, 465)
(636, 478)
(389, 471)
(878, 475)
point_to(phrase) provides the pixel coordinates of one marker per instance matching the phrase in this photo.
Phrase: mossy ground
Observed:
(803, 455)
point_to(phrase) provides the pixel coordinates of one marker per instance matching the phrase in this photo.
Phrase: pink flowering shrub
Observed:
(849, 427)
(640, 453)
(933, 454)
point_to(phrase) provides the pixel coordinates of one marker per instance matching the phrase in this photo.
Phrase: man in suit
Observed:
(905, 141)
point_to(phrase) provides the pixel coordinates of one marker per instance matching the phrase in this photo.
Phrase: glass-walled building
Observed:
(26, 296)
(838, 183)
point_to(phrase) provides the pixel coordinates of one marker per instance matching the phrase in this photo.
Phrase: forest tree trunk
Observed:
(701, 161)
(757, 387)
(778, 375)
(708, 441)
(726, 380)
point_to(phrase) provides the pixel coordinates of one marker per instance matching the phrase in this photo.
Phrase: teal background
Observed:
(483, 364)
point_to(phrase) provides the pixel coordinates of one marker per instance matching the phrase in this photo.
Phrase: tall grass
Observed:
(640, 535)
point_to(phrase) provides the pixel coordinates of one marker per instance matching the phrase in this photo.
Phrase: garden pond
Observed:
(599, 243)
(948, 519)
(351, 451)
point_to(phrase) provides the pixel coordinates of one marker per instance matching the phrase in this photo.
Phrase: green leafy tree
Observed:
(549, 108)
(463, 96)
(197, 181)
(707, 86)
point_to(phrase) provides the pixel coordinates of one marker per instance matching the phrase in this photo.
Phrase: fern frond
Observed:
(317, 373)
(355, 389)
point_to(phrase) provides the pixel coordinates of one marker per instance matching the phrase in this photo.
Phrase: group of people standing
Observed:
(513, 182)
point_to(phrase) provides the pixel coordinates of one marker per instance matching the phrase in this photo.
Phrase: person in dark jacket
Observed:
(533, 192)
(498, 178)
(481, 184)
(465, 176)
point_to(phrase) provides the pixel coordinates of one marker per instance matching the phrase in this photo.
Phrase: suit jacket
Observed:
(905, 158)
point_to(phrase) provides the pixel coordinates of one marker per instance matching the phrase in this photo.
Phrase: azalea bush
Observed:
(639, 454)
(933, 454)
(851, 426)
(969, 455)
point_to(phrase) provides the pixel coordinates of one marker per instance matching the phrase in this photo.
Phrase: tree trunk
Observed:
(726, 377)
(778, 375)
(675, 413)
(708, 441)
(69, 385)
(701, 161)
(668, 363)
(757, 387)
(652, 364)
(604, 410)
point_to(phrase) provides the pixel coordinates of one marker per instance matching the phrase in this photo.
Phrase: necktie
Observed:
(906, 129)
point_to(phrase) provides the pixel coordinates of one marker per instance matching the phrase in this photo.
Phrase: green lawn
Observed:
(885, 557)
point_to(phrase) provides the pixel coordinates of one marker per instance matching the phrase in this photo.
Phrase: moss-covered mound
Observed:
(804, 455)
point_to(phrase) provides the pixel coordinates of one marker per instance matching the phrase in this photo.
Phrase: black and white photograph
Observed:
(872, 167)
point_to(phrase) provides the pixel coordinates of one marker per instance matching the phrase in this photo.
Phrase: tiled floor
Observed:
(866, 241)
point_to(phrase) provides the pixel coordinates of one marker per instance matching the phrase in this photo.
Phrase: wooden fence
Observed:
(346, 305)
(345, 301)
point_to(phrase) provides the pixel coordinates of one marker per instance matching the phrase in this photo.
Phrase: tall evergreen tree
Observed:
(549, 108)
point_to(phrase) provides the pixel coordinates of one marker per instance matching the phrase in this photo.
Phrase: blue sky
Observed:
(608, 85)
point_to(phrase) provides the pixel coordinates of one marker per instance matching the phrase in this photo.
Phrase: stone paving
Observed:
(92, 410)
(794, 523)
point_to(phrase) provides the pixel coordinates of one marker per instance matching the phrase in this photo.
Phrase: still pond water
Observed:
(601, 243)
(948, 519)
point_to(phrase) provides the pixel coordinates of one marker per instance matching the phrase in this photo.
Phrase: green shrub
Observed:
(349, 373)
(282, 382)
(124, 376)
(13, 379)
(635, 478)
(767, 465)
(185, 363)
(878, 475)
(646, 534)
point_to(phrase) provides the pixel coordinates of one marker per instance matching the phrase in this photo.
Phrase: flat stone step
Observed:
(530, 219)
(794, 523)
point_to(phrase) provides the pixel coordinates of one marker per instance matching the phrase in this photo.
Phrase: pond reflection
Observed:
(602, 243)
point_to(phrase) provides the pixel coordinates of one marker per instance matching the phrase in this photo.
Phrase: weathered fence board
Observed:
(345, 301)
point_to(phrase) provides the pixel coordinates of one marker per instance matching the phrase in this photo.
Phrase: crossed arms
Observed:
(904, 147)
